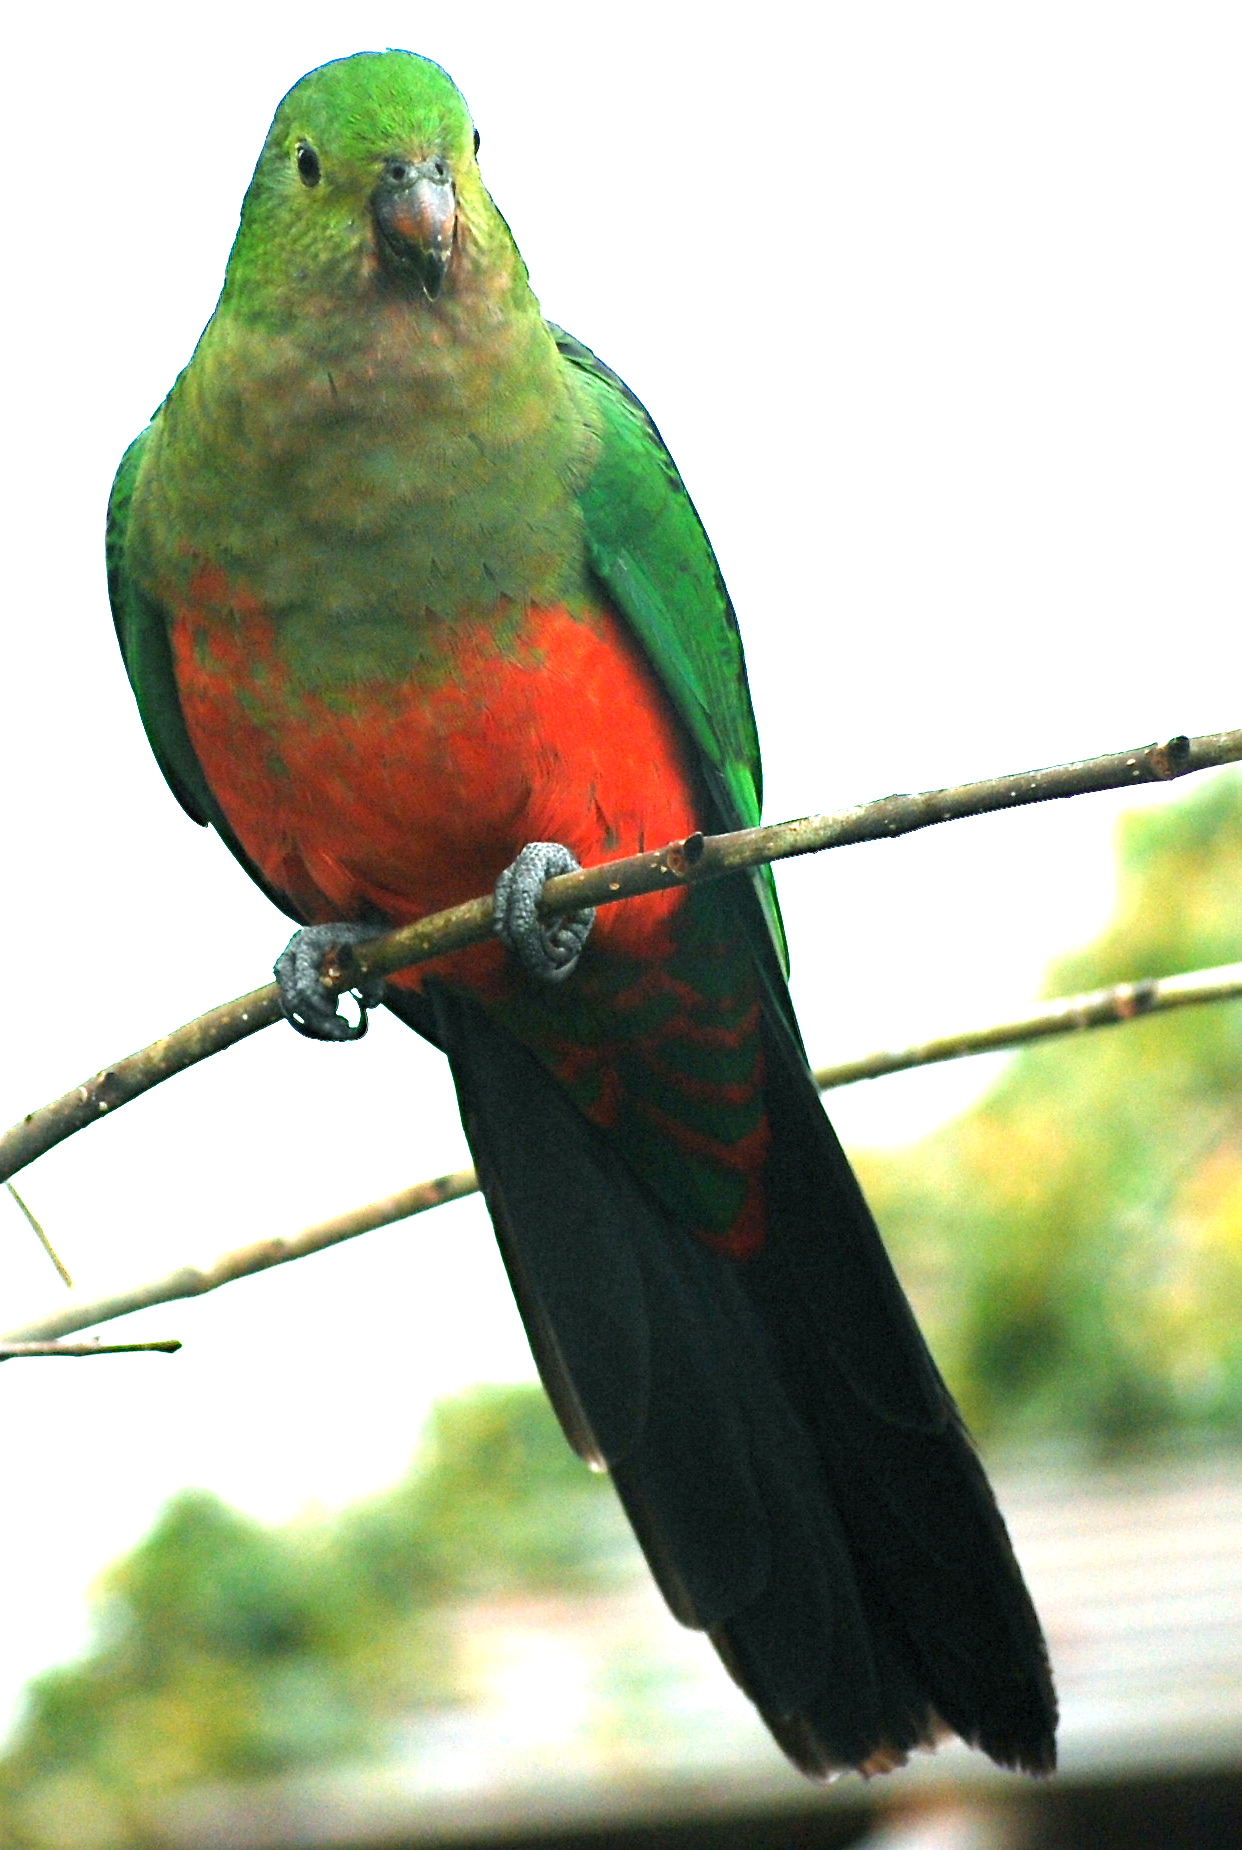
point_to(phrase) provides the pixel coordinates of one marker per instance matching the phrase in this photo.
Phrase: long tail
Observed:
(792, 1464)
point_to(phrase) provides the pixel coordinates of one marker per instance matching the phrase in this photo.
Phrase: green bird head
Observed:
(368, 183)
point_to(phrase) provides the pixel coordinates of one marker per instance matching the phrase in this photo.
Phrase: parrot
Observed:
(415, 606)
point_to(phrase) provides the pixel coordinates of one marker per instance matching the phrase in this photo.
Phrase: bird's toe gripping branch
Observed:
(299, 971)
(549, 948)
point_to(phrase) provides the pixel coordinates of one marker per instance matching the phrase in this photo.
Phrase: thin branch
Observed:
(1097, 1008)
(192, 1281)
(41, 1236)
(684, 863)
(13, 1352)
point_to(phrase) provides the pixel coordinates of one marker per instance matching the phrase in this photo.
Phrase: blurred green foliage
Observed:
(1074, 1247)
(225, 1649)
(1073, 1243)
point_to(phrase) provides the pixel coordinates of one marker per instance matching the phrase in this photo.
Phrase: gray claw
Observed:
(549, 948)
(310, 1007)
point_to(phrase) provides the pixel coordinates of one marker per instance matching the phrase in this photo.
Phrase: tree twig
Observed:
(41, 1236)
(1096, 1008)
(1068, 1014)
(13, 1352)
(190, 1281)
(682, 863)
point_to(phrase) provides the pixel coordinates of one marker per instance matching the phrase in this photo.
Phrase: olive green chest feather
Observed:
(362, 478)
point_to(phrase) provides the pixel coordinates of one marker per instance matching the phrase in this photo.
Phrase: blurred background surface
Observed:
(941, 328)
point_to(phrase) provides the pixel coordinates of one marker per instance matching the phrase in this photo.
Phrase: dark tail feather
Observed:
(930, 1548)
(793, 1467)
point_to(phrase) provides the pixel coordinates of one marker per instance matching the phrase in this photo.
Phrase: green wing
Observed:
(142, 631)
(143, 636)
(647, 544)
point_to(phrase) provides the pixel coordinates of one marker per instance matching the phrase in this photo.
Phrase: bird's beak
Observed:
(416, 215)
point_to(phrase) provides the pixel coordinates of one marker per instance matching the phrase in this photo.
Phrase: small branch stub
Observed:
(683, 856)
(1170, 759)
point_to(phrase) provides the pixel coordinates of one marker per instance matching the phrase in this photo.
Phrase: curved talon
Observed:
(549, 948)
(306, 1004)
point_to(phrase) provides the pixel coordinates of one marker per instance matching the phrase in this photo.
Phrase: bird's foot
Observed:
(310, 1007)
(549, 948)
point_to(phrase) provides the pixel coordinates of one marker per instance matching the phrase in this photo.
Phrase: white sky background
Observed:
(938, 310)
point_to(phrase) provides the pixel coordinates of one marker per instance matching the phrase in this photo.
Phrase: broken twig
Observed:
(41, 1236)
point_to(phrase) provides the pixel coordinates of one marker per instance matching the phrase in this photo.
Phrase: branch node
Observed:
(1136, 998)
(681, 856)
(1171, 758)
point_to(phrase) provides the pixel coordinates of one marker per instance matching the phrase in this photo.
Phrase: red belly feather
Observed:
(401, 797)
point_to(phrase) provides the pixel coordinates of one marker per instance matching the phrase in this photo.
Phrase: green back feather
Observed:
(648, 546)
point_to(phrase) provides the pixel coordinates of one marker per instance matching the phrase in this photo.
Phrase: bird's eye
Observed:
(476, 140)
(308, 164)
